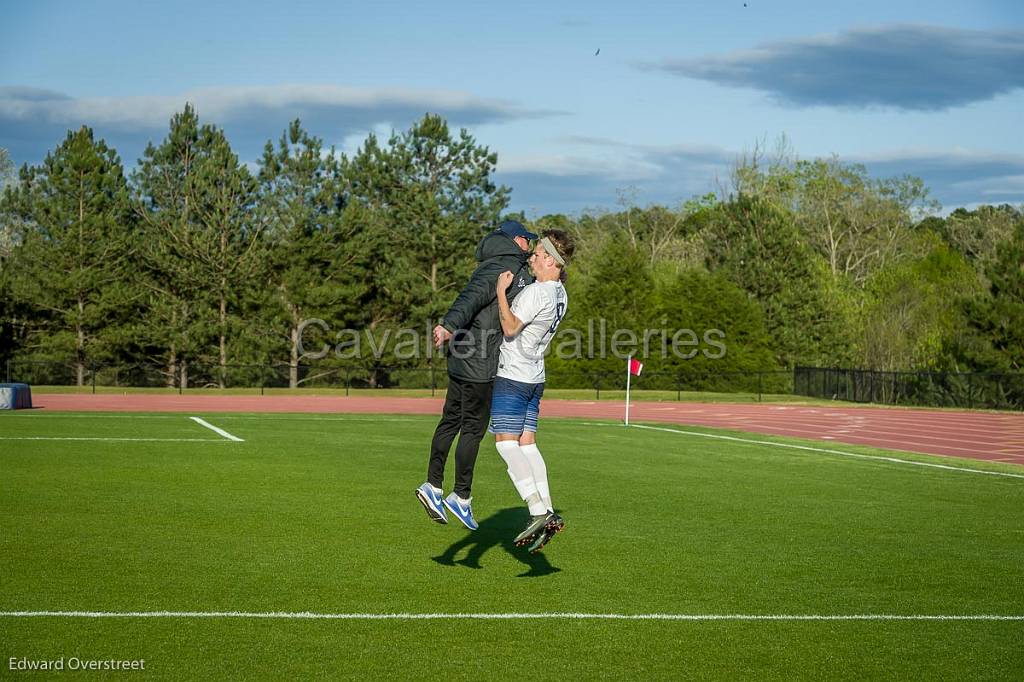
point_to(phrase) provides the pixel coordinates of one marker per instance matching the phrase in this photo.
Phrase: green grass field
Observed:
(316, 514)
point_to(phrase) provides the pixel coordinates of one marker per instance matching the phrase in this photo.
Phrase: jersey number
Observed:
(559, 312)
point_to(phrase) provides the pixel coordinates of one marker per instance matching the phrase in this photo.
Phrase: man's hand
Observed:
(504, 282)
(510, 324)
(441, 335)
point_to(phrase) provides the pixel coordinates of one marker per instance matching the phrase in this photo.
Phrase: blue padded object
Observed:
(15, 397)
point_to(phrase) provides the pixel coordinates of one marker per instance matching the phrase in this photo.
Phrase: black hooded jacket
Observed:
(473, 317)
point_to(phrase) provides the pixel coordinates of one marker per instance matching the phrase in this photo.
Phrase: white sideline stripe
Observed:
(145, 440)
(272, 416)
(299, 417)
(213, 428)
(307, 615)
(61, 415)
(842, 453)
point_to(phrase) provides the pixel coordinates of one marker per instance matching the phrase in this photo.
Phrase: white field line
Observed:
(808, 448)
(306, 615)
(213, 428)
(101, 438)
(269, 416)
(299, 418)
(93, 415)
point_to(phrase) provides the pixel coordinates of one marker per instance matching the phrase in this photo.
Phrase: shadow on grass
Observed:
(499, 529)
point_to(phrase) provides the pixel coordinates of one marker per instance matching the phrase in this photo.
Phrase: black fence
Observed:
(345, 378)
(933, 389)
(192, 375)
(754, 383)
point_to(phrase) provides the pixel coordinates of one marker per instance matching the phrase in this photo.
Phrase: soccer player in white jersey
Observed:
(529, 324)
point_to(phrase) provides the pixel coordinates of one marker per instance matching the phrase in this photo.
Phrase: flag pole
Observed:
(629, 375)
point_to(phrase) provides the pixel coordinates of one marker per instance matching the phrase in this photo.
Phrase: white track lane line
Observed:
(306, 615)
(877, 438)
(213, 428)
(808, 448)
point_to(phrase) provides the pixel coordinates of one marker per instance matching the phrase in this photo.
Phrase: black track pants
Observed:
(467, 409)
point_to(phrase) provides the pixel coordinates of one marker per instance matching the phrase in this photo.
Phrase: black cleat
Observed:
(537, 525)
(554, 525)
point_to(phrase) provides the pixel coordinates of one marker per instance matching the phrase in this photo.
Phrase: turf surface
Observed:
(316, 513)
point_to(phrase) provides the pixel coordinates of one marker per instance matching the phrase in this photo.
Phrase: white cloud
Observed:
(632, 166)
(615, 159)
(34, 120)
(19, 103)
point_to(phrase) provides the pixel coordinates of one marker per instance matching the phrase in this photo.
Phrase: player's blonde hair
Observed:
(563, 243)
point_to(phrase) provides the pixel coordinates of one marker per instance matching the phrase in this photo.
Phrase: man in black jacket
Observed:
(473, 330)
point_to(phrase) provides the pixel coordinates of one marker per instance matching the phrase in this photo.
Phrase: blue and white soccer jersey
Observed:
(540, 307)
(515, 405)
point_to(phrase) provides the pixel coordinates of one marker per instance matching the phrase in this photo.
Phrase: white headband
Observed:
(550, 248)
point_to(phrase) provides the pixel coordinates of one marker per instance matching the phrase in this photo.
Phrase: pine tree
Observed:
(316, 257)
(73, 269)
(433, 195)
(439, 197)
(227, 243)
(11, 329)
(195, 202)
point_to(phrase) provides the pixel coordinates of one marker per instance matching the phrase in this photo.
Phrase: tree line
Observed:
(193, 259)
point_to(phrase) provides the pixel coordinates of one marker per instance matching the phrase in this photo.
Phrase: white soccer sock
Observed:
(521, 473)
(540, 472)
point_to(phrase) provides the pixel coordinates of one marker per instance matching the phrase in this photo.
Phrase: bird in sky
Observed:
(598, 52)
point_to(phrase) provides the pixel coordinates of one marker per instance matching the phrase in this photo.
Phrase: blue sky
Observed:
(678, 91)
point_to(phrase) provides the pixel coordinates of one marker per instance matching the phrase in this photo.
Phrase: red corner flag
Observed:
(634, 368)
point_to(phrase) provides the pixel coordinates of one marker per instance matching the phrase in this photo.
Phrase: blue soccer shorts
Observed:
(515, 406)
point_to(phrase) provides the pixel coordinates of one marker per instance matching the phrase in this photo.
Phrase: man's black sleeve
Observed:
(474, 297)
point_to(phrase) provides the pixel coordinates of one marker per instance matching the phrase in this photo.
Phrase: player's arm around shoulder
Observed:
(510, 324)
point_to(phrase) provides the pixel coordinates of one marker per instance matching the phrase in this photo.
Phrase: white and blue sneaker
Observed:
(462, 510)
(431, 499)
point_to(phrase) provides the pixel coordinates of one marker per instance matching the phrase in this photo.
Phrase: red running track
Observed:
(977, 435)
